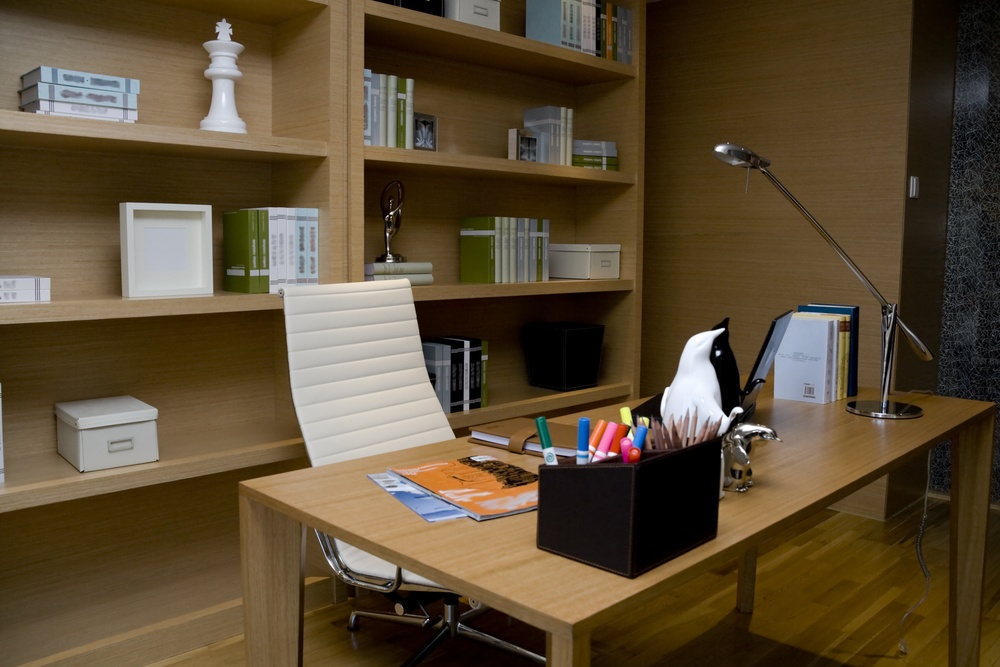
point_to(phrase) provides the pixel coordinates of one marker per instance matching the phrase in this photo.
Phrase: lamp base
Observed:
(884, 410)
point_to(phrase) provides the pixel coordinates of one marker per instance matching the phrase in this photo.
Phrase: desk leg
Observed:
(971, 465)
(746, 581)
(567, 651)
(271, 552)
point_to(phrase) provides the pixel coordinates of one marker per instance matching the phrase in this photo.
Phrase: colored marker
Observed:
(621, 432)
(626, 416)
(543, 434)
(626, 447)
(640, 437)
(634, 454)
(605, 446)
(583, 441)
(595, 438)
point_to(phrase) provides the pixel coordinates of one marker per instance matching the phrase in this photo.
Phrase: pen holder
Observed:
(628, 518)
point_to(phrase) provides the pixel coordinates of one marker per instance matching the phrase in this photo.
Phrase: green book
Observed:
(477, 250)
(239, 250)
(263, 252)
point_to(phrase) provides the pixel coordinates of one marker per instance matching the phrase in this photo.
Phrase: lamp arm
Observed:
(919, 348)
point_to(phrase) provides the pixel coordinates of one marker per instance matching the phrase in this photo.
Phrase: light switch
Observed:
(914, 187)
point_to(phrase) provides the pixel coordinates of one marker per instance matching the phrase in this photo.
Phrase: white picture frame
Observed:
(166, 250)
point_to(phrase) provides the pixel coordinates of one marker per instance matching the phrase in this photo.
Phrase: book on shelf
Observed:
(397, 268)
(484, 376)
(273, 247)
(76, 110)
(416, 279)
(303, 256)
(68, 77)
(595, 27)
(843, 331)
(2, 476)
(464, 370)
(391, 101)
(805, 367)
(478, 250)
(538, 250)
(429, 508)
(483, 486)
(437, 361)
(25, 289)
(368, 105)
(59, 93)
(853, 314)
(520, 435)
(241, 251)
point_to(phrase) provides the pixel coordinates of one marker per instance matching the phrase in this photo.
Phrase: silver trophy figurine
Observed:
(392, 218)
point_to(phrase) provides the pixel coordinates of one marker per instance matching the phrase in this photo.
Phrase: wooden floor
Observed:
(832, 592)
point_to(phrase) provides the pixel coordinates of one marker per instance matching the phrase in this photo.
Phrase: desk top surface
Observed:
(825, 454)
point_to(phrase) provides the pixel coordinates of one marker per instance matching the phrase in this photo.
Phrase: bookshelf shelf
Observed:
(458, 292)
(116, 308)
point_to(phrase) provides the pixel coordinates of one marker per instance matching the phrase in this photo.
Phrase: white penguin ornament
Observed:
(691, 407)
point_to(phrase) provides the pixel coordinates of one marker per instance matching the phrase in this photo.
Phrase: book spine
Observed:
(395, 268)
(312, 231)
(23, 283)
(369, 123)
(57, 93)
(25, 296)
(416, 279)
(276, 246)
(55, 108)
(484, 376)
(263, 252)
(408, 116)
(239, 251)
(391, 111)
(70, 77)
(401, 85)
(383, 110)
(437, 359)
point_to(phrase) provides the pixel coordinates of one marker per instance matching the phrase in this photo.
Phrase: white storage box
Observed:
(106, 432)
(585, 260)
(485, 13)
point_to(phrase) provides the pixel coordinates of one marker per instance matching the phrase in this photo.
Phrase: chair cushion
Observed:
(364, 562)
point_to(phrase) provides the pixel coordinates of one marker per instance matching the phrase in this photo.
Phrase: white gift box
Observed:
(585, 260)
(106, 432)
(485, 13)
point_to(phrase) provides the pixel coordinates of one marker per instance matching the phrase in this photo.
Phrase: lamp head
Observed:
(738, 156)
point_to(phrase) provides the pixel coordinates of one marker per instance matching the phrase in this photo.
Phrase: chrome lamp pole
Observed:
(738, 156)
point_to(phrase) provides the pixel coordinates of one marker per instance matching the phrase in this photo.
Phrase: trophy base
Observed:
(886, 410)
(390, 258)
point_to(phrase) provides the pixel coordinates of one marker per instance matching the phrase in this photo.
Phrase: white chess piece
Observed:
(223, 72)
(693, 401)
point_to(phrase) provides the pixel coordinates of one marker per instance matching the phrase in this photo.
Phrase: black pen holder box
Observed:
(628, 518)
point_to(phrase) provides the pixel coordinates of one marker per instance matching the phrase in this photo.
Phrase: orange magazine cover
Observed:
(485, 487)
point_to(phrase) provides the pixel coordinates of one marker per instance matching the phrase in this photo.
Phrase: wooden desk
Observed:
(826, 454)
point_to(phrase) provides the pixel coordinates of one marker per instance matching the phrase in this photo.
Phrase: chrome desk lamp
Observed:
(738, 156)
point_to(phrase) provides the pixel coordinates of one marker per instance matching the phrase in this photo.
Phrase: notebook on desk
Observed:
(763, 363)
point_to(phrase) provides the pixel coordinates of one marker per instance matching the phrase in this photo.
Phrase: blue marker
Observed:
(583, 441)
(543, 434)
(640, 437)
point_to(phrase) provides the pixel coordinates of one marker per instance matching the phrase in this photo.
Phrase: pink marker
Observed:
(602, 449)
(626, 446)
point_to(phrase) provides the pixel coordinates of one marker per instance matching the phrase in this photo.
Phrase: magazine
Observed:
(483, 486)
(427, 506)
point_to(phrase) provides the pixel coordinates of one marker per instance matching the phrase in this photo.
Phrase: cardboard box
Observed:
(628, 518)
(585, 260)
(485, 13)
(563, 355)
(106, 432)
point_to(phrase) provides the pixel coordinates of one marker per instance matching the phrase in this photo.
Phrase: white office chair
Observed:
(354, 355)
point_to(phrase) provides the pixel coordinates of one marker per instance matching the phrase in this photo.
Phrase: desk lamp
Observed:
(738, 156)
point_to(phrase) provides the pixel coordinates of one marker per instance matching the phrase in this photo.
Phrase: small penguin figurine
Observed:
(737, 446)
(691, 407)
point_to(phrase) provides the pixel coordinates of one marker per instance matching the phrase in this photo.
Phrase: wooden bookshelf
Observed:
(149, 554)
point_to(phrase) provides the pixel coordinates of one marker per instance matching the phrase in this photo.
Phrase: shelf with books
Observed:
(389, 26)
(458, 291)
(455, 164)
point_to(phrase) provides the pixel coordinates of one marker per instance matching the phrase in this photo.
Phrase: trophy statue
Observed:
(392, 218)
(223, 73)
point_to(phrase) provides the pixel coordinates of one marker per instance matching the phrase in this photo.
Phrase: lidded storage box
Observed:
(585, 261)
(106, 432)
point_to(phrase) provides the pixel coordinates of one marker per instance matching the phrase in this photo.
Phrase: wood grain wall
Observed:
(823, 89)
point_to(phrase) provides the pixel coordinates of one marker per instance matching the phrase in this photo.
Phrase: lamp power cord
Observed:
(903, 648)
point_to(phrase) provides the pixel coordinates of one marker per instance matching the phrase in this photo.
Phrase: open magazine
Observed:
(427, 506)
(482, 486)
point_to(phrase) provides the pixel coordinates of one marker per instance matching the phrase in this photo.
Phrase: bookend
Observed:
(628, 518)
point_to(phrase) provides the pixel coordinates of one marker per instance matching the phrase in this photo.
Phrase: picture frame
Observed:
(166, 250)
(424, 132)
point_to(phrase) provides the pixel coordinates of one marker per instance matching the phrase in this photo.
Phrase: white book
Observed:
(75, 109)
(368, 121)
(276, 269)
(806, 364)
(396, 268)
(25, 296)
(20, 283)
(567, 143)
(101, 98)
(408, 127)
(522, 250)
(291, 221)
(71, 77)
(383, 110)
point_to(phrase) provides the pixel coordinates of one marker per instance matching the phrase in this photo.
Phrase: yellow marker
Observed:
(626, 415)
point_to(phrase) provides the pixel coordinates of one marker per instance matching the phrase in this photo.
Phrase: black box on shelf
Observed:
(435, 7)
(563, 355)
(628, 518)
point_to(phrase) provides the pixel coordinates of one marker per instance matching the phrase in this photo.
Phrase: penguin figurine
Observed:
(691, 407)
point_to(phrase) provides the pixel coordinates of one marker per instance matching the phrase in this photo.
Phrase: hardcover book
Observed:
(101, 98)
(397, 268)
(70, 77)
(482, 486)
(416, 279)
(241, 271)
(437, 360)
(478, 250)
(805, 365)
(853, 313)
(77, 110)
(520, 435)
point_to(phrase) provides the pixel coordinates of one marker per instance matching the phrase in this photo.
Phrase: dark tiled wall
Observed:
(970, 327)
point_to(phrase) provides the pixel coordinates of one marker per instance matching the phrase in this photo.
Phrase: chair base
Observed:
(452, 624)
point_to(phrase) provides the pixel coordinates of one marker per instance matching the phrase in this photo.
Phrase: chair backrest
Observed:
(356, 366)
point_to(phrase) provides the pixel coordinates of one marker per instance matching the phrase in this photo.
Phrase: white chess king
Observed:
(223, 73)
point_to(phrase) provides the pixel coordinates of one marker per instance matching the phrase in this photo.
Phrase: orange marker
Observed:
(595, 437)
(621, 432)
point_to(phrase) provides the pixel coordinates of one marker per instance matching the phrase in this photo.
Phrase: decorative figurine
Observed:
(223, 73)
(392, 218)
(737, 445)
(691, 407)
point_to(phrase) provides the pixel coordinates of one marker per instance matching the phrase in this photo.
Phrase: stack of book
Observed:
(388, 113)
(817, 361)
(25, 289)
(596, 27)
(595, 154)
(53, 91)
(501, 249)
(266, 248)
(456, 366)
(547, 136)
(418, 273)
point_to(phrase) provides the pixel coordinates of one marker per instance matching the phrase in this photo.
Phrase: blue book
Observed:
(852, 359)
